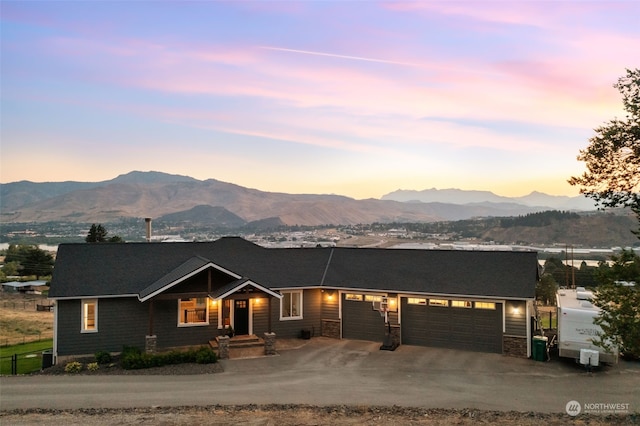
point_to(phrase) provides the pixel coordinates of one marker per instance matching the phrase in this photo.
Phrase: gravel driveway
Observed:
(327, 372)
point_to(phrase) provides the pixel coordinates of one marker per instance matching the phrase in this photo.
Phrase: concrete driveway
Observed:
(326, 371)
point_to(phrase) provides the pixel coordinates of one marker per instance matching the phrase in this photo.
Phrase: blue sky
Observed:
(351, 98)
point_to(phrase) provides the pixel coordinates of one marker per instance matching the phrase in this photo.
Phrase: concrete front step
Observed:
(245, 341)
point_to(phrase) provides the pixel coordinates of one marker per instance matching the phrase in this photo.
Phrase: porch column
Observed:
(150, 340)
(269, 315)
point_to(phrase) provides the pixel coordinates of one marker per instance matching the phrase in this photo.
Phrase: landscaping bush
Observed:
(73, 367)
(93, 366)
(133, 358)
(206, 355)
(103, 357)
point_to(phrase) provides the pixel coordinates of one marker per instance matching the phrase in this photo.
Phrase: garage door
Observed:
(361, 322)
(452, 327)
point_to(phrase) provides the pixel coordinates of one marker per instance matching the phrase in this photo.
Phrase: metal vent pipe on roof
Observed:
(148, 226)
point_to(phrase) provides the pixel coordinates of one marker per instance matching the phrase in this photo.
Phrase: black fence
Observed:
(26, 362)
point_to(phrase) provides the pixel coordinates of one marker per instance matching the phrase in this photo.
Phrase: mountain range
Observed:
(171, 197)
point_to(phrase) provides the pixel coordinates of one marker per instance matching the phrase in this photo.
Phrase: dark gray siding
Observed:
(165, 317)
(121, 321)
(260, 315)
(361, 322)
(330, 306)
(125, 321)
(456, 328)
(289, 329)
(515, 323)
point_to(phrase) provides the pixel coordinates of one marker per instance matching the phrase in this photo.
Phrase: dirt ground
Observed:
(20, 322)
(298, 415)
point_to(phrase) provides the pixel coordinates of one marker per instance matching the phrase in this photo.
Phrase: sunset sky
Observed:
(356, 98)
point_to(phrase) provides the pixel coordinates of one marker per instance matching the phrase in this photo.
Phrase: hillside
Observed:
(156, 194)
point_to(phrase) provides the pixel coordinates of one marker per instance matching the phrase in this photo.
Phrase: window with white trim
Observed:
(89, 316)
(460, 304)
(372, 298)
(439, 302)
(291, 305)
(354, 297)
(416, 301)
(193, 311)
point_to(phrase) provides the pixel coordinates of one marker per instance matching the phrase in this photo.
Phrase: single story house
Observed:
(178, 294)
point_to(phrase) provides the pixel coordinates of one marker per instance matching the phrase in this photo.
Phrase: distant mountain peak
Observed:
(467, 197)
(150, 177)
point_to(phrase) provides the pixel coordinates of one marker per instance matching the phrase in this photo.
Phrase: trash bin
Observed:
(305, 334)
(47, 359)
(539, 348)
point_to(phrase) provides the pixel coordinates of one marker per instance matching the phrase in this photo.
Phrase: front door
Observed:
(241, 316)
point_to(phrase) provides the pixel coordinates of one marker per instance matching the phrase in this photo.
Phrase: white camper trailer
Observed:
(576, 328)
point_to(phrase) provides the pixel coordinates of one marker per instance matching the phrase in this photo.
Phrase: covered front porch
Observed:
(213, 306)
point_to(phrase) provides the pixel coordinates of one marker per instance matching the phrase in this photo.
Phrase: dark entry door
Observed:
(241, 317)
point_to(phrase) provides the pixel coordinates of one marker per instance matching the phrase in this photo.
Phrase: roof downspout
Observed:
(324, 274)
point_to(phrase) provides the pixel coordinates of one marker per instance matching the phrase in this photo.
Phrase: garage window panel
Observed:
(461, 304)
(485, 305)
(439, 302)
(416, 301)
(354, 297)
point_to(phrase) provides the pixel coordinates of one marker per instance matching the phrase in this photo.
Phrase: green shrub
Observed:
(93, 366)
(206, 355)
(103, 357)
(133, 359)
(73, 367)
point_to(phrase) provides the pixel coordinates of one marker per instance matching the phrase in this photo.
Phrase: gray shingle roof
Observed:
(190, 266)
(84, 270)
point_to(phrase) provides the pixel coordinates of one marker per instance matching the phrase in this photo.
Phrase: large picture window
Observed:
(89, 319)
(193, 311)
(291, 305)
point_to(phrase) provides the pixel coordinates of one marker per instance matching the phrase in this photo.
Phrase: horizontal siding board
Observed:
(121, 321)
(515, 324)
(290, 329)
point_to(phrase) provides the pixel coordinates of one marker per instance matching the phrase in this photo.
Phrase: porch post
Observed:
(151, 317)
(269, 315)
(151, 340)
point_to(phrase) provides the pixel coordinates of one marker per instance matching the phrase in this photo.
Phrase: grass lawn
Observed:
(29, 356)
(544, 321)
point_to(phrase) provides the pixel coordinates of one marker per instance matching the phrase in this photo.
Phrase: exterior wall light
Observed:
(516, 311)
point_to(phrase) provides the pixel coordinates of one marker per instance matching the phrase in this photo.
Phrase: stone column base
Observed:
(269, 343)
(150, 344)
(223, 347)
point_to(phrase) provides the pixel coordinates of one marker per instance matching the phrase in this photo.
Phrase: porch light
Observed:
(516, 311)
(256, 301)
(329, 296)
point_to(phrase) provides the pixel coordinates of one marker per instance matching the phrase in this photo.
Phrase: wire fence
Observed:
(26, 362)
(36, 305)
(26, 338)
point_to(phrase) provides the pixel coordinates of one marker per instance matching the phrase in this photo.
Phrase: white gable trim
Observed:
(253, 284)
(185, 277)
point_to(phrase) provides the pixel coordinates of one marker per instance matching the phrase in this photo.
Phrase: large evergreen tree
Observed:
(98, 234)
(612, 179)
(612, 158)
(620, 304)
